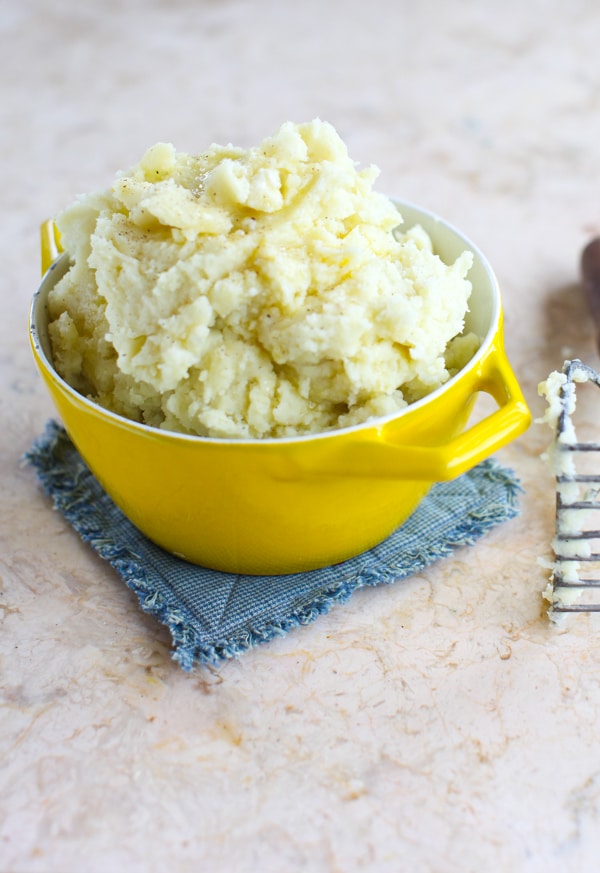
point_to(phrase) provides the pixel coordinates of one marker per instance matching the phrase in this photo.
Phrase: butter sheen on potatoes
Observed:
(257, 293)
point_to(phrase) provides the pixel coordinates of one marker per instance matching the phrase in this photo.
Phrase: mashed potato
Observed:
(248, 294)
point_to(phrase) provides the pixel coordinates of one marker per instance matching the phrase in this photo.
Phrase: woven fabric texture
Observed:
(213, 615)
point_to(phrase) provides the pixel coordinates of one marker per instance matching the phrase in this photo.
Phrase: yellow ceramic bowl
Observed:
(285, 505)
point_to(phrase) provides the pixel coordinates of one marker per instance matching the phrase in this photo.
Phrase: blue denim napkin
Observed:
(212, 615)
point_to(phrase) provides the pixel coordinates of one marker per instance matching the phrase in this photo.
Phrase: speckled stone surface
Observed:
(442, 724)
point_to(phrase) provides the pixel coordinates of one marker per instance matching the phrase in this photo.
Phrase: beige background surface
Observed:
(441, 724)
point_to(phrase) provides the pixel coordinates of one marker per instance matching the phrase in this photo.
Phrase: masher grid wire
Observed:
(573, 541)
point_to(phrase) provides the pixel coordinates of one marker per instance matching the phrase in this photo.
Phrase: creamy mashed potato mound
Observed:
(254, 293)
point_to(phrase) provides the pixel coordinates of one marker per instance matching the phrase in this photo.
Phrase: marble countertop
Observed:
(439, 724)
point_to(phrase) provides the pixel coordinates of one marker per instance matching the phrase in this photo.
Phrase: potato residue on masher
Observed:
(255, 293)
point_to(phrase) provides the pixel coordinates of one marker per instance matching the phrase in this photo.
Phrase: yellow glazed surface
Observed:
(286, 505)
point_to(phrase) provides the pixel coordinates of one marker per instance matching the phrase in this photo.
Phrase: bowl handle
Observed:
(49, 244)
(385, 459)
(482, 439)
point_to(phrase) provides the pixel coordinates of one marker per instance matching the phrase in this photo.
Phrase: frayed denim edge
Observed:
(70, 495)
(465, 533)
(69, 498)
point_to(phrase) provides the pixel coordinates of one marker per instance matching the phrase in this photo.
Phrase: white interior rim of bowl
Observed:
(40, 296)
